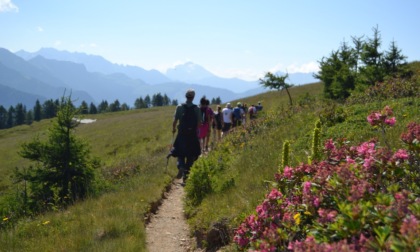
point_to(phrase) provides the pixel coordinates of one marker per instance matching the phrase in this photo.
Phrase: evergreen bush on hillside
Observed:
(62, 170)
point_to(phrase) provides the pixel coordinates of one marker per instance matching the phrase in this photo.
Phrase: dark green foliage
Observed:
(332, 114)
(83, 108)
(49, 108)
(273, 81)
(357, 68)
(62, 171)
(37, 111)
(10, 122)
(115, 106)
(3, 117)
(103, 106)
(216, 100)
(92, 109)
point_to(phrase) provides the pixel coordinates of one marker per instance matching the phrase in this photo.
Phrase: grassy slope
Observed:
(255, 163)
(132, 147)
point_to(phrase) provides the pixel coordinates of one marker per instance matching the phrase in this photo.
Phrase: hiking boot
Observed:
(180, 173)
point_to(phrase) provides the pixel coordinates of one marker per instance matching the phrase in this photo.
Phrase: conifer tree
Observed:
(278, 82)
(92, 109)
(62, 169)
(3, 117)
(37, 111)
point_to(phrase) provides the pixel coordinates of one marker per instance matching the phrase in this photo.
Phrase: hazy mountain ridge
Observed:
(49, 72)
(94, 63)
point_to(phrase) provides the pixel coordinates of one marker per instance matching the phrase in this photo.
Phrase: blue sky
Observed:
(230, 38)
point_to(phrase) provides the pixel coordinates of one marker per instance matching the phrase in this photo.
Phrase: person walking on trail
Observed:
(238, 114)
(204, 128)
(252, 111)
(210, 115)
(186, 146)
(218, 124)
(227, 119)
(259, 107)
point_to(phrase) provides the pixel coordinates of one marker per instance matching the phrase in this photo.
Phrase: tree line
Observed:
(356, 68)
(19, 114)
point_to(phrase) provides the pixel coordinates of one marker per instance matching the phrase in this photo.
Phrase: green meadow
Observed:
(225, 186)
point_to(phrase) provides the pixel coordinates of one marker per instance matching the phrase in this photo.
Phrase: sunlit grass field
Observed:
(132, 147)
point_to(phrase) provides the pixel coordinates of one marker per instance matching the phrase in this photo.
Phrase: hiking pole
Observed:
(170, 153)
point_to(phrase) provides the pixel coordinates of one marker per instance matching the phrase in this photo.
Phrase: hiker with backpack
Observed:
(252, 111)
(227, 119)
(238, 114)
(218, 124)
(186, 146)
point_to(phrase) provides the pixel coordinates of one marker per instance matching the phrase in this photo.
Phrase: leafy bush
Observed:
(391, 88)
(363, 197)
(332, 114)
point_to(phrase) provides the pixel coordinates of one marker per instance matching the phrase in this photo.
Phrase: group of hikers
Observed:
(195, 124)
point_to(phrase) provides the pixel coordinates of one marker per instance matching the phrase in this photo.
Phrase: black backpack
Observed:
(188, 122)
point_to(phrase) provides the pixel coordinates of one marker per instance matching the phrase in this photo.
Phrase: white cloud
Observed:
(243, 74)
(7, 5)
(57, 43)
(309, 67)
(39, 28)
(90, 45)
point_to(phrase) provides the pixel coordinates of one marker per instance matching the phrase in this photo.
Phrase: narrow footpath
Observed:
(167, 230)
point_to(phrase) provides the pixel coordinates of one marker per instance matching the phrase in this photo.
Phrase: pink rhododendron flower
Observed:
(288, 172)
(368, 162)
(387, 111)
(316, 202)
(350, 160)
(366, 149)
(326, 215)
(329, 145)
(410, 226)
(400, 154)
(390, 121)
(374, 118)
(274, 195)
(306, 187)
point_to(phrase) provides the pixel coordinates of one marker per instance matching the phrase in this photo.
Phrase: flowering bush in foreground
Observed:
(360, 198)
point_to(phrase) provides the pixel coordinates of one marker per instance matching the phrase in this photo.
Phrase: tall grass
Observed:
(132, 147)
(255, 161)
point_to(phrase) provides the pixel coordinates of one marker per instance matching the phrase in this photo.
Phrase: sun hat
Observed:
(228, 105)
(239, 104)
(190, 93)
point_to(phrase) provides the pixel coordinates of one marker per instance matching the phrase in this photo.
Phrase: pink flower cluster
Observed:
(382, 117)
(311, 194)
(412, 136)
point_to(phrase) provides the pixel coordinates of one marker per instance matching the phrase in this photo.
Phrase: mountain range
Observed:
(50, 74)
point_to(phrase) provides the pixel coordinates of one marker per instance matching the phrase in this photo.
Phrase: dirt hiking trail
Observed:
(168, 230)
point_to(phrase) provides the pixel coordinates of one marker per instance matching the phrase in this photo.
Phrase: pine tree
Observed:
(62, 168)
(103, 106)
(20, 114)
(3, 117)
(83, 108)
(10, 122)
(37, 111)
(92, 109)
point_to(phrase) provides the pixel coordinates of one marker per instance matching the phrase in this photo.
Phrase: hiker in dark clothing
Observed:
(186, 146)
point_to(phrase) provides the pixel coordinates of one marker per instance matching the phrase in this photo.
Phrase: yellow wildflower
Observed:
(5, 219)
(296, 217)
(46, 222)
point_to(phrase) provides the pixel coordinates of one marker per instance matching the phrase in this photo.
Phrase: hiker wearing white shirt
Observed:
(227, 119)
